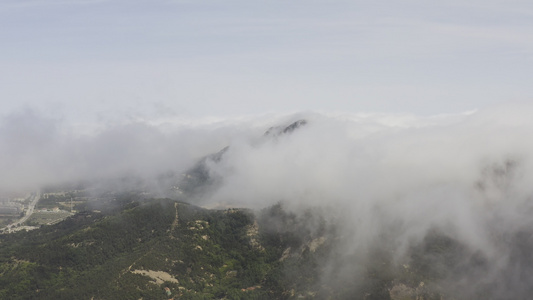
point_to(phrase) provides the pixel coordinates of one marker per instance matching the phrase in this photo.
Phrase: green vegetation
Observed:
(43, 218)
(64, 200)
(138, 248)
(207, 255)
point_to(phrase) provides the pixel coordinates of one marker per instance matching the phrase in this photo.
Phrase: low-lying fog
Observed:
(468, 175)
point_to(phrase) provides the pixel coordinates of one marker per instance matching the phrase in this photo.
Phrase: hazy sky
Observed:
(87, 60)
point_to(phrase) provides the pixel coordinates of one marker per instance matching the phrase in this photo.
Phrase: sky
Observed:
(98, 61)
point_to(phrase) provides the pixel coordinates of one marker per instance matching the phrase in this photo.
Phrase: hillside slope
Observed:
(163, 249)
(136, 253)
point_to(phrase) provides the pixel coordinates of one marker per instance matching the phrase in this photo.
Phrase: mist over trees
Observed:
(364, 205)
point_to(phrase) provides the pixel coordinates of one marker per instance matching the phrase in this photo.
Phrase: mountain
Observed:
(136, 252)
(198, 181)
(139, 250)
(286, 129)
(132, 245)
(146, 248)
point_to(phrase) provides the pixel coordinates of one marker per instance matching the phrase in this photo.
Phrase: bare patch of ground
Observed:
(158, 276)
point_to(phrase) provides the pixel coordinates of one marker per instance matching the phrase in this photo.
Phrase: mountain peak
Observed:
(279, 130)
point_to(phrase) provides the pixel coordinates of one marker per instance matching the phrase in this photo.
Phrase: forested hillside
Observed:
(163, 249)
(136, 253)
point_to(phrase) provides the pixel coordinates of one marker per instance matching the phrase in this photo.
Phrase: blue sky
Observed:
(129, 60)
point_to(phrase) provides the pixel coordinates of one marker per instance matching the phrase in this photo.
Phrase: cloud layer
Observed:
(466, 175)
(390, 181)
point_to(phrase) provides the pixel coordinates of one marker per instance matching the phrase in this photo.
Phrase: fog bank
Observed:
(395, 181)
(386, 181)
